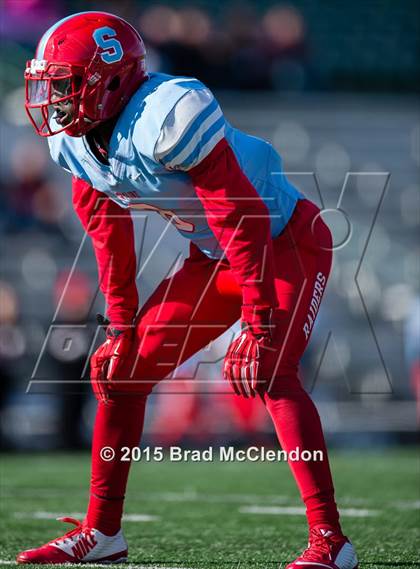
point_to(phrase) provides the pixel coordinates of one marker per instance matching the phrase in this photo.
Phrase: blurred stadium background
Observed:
(336, 91)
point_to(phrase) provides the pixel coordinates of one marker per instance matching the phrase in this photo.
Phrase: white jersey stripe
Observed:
(180, 119)
(196, 139)
(208, 147)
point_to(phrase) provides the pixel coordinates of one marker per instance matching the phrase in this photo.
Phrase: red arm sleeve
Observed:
(111, 230)
(240, 221)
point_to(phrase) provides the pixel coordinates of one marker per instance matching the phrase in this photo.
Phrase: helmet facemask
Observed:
(53, 93)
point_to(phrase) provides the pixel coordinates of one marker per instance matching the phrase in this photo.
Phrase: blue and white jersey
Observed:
(169, 126)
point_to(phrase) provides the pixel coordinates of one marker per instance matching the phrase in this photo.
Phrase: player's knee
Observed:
(132, 377)
(153, 357)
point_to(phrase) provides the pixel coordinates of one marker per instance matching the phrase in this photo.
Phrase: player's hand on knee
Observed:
(107, 361)
(244, 365)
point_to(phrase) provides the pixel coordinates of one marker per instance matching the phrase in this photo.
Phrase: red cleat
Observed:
(328, 550)
(79, 545)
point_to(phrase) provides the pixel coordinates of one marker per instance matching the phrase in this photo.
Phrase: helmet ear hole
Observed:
(114, 84)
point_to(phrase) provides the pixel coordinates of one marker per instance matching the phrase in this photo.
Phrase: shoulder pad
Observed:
(155, 101)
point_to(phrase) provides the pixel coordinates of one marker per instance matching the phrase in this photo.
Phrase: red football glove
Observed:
(243, 366)
(106, 362)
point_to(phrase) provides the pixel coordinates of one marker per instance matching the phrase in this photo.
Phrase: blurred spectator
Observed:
(236, 50)
(12, 340)
(179, 36)
(73, 295)
(31, 200)
(237, 44)
(283, 46)
(160, 25)
(248, 67)
(68, 349)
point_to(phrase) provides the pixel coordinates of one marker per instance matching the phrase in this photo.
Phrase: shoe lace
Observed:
(69, 536)
(319, 546)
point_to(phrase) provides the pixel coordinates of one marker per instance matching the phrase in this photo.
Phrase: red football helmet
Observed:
(91, 61)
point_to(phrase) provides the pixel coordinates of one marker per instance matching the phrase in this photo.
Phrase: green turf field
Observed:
(204, 515)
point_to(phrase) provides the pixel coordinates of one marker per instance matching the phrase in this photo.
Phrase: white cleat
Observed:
(326, 550)
(80, 545)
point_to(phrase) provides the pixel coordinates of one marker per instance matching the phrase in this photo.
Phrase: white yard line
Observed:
(358, 512)
(192, 496)
(300, 511)
(140, 518)
(186, 496)
(270, 500)
(273, 510)
(40, 515)
(406, 505)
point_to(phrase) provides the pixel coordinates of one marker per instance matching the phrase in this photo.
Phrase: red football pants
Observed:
(185, 313)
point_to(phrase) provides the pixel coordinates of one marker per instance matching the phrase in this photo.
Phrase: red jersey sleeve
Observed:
(111, 230)
(241, 223)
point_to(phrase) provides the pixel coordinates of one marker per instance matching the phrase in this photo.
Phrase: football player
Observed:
(259, 253)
